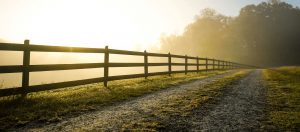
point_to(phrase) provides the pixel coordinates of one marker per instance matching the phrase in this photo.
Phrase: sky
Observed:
(121, 24)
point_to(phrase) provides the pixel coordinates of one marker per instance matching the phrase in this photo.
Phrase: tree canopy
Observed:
(267, 34)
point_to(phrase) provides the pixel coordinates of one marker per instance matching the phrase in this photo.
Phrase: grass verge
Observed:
(52, 106)
(283, 96)
(164, 116)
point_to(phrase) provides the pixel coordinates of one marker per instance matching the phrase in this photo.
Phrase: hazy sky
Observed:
(123, 24)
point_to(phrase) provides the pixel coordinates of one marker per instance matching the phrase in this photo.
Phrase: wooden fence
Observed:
(26, 68)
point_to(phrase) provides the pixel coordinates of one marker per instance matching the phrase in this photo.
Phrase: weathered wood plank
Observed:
(44, 48)
(12, 47)
(158, 55)
(120, 77)
(43, 87)
(54, 67)
(124, 52)
(11, 69)
(159, 73)
(178, 56)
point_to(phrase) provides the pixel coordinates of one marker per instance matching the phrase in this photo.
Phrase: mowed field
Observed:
(283, 97)
(264, 99)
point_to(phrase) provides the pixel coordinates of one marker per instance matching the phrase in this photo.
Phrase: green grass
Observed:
(181, 106)
(284, 97)
(52, 106)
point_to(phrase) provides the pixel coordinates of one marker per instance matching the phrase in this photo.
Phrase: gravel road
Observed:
(241, 108)
(113, 117)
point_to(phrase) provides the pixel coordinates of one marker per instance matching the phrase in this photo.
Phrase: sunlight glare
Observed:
(84, 24)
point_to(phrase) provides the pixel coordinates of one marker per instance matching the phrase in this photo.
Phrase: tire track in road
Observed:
(241, 108)
(113, 117)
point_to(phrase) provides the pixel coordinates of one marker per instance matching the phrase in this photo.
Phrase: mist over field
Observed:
(266, 34)
(39, 58)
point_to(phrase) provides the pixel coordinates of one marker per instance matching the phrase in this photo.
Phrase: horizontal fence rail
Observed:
(26, 68)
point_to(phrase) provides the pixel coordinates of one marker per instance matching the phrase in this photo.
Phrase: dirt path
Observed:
(112, 118)
(241, 108)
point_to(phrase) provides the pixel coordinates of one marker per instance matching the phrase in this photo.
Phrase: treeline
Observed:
(267, 34)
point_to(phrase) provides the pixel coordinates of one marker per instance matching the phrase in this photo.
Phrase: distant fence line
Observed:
(26, 68)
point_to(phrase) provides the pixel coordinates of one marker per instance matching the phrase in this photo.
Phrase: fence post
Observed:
(186, 67)
(218, 64)
(213, 64)
(228, 65)
(197, 64)
(170, 64)
(26, 63)
(223, 63)
(106, 63)
(206, 64)
(145, 64)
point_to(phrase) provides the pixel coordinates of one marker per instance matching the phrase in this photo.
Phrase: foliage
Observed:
(266, 34)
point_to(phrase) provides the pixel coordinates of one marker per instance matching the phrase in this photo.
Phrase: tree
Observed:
(266, 34)
(199, 37)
